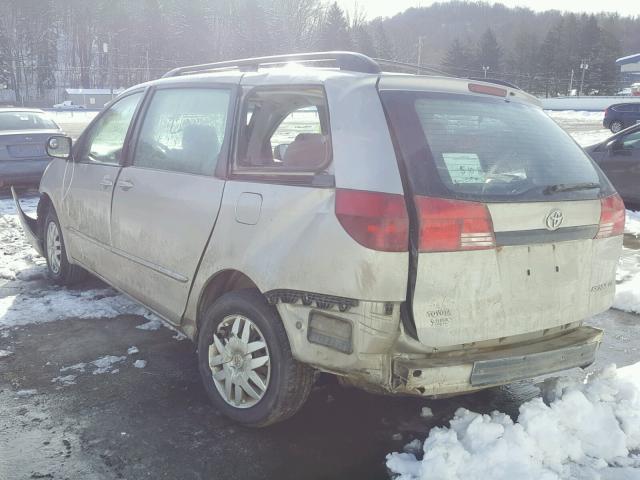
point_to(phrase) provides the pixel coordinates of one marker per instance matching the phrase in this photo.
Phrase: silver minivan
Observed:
(413, 235)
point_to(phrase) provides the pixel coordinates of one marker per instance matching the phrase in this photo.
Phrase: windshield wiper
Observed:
(569, 187)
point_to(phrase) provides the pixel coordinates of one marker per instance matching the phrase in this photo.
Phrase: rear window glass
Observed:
(25, 121)
(487, 149)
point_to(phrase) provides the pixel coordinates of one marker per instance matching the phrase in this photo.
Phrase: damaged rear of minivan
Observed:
(514, 239)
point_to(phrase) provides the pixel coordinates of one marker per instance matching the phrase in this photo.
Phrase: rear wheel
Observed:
(58, 267)
(616, 126)
(246, 363)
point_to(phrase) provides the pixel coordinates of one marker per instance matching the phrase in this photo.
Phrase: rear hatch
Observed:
(514, 229)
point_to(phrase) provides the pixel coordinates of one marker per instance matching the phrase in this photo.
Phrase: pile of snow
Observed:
(587, 430)
(627, 296)
(632, 223)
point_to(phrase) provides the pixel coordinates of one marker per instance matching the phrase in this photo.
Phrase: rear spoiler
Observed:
(29, 225)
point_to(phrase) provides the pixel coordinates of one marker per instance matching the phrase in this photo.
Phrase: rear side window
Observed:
(286, 131)
(183, 130)
(625, 108)
(25, 121)
(486, 149)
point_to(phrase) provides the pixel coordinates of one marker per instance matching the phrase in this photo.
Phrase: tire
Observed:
(616, 126)
(286, 383)
(59, 270)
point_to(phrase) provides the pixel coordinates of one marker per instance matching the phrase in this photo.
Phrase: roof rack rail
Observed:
(349, 61)
(495, 81)
(411, 66)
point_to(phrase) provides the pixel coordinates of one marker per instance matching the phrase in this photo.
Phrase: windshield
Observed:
(25, 121)
(488, 149)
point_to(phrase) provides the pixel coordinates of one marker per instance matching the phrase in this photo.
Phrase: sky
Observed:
(388, 8)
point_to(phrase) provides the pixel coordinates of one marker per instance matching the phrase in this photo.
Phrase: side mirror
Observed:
(59, 146)
(279, 150)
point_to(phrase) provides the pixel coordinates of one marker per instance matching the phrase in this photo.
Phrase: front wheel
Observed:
(246, 363)
(58, 267)
(616, 126)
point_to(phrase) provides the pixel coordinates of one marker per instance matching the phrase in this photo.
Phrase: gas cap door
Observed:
(248, 208)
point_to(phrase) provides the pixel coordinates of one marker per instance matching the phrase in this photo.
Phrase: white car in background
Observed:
(68, 105)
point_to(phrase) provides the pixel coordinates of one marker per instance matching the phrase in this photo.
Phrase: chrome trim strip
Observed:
(527, 237)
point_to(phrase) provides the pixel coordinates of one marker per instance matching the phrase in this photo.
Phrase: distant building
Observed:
(630, 70)
(91, 97)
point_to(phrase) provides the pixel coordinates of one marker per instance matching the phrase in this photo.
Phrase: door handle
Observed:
(125, 184)
(106, 182)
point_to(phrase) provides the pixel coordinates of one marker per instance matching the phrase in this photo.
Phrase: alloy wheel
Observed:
(54, 247)
(239, 361)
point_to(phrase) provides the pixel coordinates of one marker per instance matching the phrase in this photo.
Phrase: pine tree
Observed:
(458, 59)
(335, 33)
(489, 52)
(362, 41)
(383, 46)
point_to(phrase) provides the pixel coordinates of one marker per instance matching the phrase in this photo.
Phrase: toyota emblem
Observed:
(554, 219)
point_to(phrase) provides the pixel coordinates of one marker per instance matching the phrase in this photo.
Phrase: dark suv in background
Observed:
(621, 115)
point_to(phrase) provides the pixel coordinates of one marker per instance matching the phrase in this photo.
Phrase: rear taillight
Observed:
(454, 225)
(611, 217)
(375, 220)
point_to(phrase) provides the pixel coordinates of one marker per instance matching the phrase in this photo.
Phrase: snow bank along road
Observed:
(93, 387)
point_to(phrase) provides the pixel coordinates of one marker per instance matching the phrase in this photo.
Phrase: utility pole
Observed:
(148, 70)
(571, 83)
(584, 66)
(105, 50)
(485, 68)
(418, 70)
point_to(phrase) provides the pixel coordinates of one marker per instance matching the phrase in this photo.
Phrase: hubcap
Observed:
(54, 247)
(239, 361)
(616, 127)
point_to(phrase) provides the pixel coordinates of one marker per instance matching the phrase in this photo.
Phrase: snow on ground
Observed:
(584, 430)
(628, 282)
(632, 224)
(585, 127)
(30, 298)
(105, 364)
(140, 363)
(99, 366)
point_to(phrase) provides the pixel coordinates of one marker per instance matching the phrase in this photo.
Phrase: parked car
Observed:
(68, 105)
(619, 158)
(620, 116)
(417, 236)
(23, 134)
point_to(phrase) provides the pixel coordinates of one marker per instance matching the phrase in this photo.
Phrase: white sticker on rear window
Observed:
(464, 167)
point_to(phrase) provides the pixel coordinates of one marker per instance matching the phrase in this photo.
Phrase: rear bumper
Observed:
(29, 225)
(459, 374)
